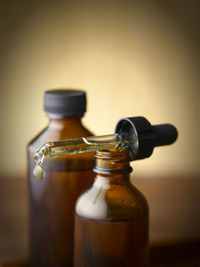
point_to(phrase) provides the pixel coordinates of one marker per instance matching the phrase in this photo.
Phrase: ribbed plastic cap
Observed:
(65, 102)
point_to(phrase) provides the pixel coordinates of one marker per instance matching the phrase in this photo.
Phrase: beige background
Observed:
(133, 58)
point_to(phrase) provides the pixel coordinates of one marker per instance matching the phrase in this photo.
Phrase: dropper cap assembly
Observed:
(146, 136)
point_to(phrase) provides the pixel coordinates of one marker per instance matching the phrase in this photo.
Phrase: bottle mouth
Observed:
(113, 161)
(121, 153)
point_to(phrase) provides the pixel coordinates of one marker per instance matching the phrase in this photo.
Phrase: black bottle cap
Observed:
(145, 135)
(64, 102)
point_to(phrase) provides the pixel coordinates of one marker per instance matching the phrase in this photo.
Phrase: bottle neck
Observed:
(113, 165)
(67, 121)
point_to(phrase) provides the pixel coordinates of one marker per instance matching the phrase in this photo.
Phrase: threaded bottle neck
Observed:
(112, 162)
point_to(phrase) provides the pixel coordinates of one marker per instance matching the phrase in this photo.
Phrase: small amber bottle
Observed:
(52, 199)
(111, 221)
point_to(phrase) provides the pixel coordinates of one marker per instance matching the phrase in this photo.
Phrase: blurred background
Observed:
(134, 58)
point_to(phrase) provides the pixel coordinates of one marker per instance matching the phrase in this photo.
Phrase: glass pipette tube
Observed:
(81, 145)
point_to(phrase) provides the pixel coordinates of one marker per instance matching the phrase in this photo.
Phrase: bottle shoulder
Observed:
(59, 131)
(112, 202)
(38, 138)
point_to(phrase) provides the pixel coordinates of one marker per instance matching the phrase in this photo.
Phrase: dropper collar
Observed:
(145, 135)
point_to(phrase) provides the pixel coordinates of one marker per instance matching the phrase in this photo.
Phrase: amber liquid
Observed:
(52, 210)
(52, 199)
(111, 243)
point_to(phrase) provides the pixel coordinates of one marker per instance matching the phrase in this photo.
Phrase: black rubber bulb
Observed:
(165, 134)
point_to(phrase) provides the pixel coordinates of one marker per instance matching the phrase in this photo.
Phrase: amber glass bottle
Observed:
(52, 199)
(111, 221)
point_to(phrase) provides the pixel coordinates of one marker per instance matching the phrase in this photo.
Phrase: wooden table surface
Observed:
(174, 220)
